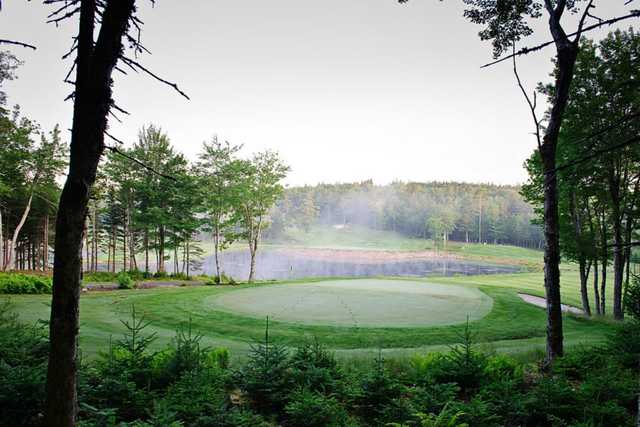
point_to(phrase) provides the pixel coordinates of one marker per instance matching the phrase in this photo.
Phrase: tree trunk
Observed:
(161, 239)
(596, 293)
(146, 250)
(584, 291)
(552, 256)
(604, 263)
(566, 57)
(94, 66)
(12, 243)
(618, 251)
(216, 250)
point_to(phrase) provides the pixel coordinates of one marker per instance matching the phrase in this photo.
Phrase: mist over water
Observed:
(280, 265)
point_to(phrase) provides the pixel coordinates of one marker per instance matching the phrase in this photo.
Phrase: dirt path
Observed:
(541, 302)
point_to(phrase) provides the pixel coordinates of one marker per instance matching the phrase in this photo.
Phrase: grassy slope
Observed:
(512, 325)
(358, 238)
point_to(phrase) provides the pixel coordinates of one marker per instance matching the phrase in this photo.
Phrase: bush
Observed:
(23, 367)
(632, 298)
(307, 408)
(15, 283)
(315, 369)
(222, 280)
(379, 393)
(218, 358)
(265, 378)
(124, 281)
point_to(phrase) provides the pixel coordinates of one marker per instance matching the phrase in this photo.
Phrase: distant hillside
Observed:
(439, 211)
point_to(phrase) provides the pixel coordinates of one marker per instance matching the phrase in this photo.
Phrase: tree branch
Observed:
(526, 50)
(17, 43)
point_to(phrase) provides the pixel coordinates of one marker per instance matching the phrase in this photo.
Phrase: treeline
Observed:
(441, 211)
(599, 167)
(151, 203)
(31, 160)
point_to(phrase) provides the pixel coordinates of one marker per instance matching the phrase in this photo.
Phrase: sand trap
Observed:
(541, 302)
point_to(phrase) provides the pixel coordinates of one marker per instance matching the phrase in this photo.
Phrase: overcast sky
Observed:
(344, 90)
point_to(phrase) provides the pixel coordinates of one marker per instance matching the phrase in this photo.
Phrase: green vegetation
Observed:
(598, 208)
(186, 382)
(14, 283)
(512, 325)
(362, 238)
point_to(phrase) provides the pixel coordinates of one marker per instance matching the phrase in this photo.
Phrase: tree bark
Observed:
(596, 293)
(94, 66)
(566, 57)
(618, 252)
(12, 243)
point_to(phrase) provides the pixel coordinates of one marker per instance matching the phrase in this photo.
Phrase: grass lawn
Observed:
(512, 325)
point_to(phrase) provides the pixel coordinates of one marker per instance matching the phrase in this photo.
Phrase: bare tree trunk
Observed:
(566, 57)
(12, 243)
(216, 250)
(618, 253)
(596, 293)
(94, 66)
(146, 250)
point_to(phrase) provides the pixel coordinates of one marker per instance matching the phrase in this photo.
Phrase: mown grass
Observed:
(511, 326)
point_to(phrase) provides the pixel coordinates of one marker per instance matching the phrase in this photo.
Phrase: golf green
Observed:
(359, 303)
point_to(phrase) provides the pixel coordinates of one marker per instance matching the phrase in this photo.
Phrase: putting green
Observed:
(358, 303)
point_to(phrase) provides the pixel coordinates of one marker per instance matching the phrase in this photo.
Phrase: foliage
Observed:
(184, 384)
(15, 283)
(23, 360)
(434, 210)
(314, 409)
(265, 378)
(124, 281)
(632, 298)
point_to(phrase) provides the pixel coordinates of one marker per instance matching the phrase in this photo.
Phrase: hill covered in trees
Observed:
(440, 211)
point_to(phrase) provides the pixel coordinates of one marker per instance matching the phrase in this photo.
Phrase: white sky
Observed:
(344, 90)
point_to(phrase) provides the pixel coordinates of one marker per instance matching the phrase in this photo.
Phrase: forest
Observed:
(439, 211)
(553, 345)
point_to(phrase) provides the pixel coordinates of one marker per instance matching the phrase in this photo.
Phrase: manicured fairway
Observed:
(358, 303)
(509, 324)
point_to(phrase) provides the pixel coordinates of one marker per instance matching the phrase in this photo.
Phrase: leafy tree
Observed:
(259, 187)
(219, 182)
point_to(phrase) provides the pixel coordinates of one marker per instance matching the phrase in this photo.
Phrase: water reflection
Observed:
(279, 265)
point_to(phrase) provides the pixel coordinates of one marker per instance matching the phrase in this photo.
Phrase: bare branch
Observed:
(532, 105)
(17, 43)
(136, 161)
(526, 50)
(135, 65)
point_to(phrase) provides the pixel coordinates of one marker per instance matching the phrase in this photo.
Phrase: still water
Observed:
(279, 265)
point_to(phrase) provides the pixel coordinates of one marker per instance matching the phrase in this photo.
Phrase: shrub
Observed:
(15, 283)
(315, 369)
(379, 391)
(183, 355)
(265, 379)
(218, 358)
(124, 281)
(632, 298)
(502, 367)
(197, 394)
(23, 364)
(308, 408)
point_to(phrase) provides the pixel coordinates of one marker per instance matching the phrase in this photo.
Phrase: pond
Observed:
(277, 264)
